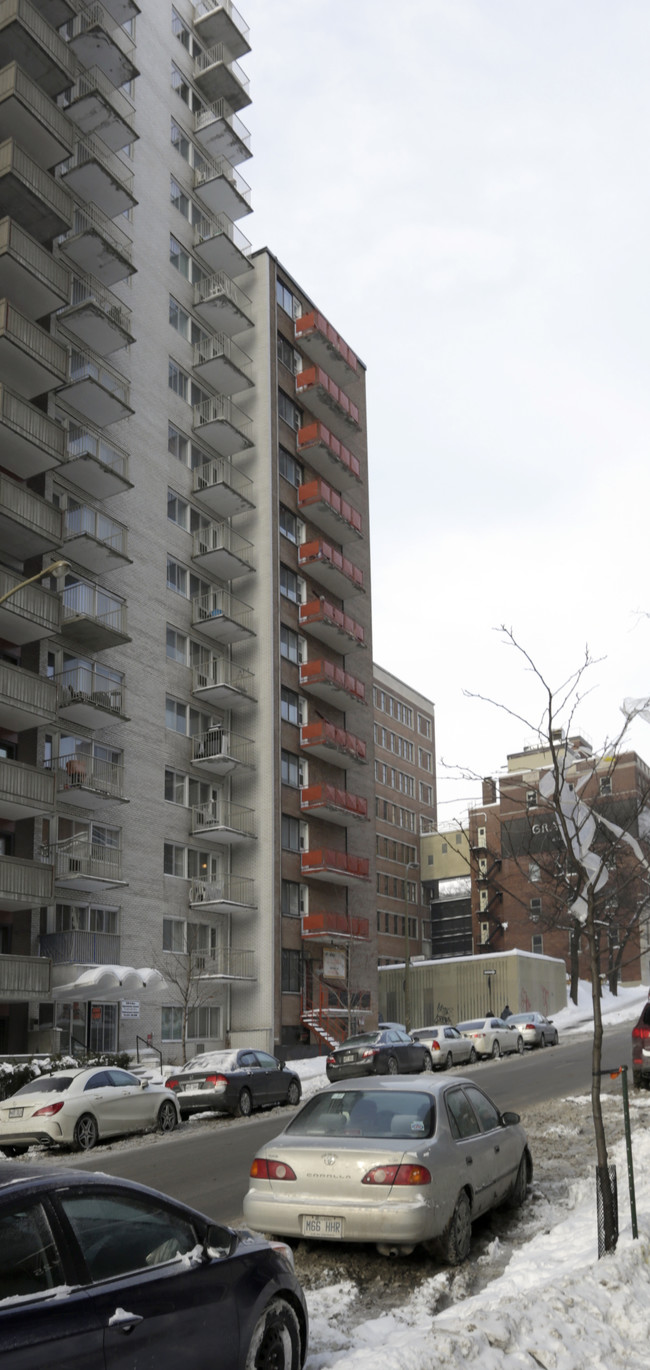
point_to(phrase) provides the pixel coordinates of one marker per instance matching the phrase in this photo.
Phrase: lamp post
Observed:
(56, 566)
(489, 974)
(411, 866)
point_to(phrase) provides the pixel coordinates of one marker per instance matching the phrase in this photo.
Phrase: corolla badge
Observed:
(329, 1159)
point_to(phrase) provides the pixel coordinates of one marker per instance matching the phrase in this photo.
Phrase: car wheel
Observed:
(472, 1056)
(166, 1121)
(637, 1081)
(542, 1041)
(293, 1093)
(449, 1061)
(392, 1067)
(428, 1061)
(556, 1040)
(275, 1343)
(520, 1045)
(12, 1151)
(454, 1245)
(496, 1051)
(517, 1195)
(244, 1104)
(86, 1133)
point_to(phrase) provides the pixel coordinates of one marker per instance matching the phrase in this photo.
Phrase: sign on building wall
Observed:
(334, 965)
(130, 1008)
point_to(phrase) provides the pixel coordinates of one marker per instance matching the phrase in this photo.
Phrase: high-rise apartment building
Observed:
(186, 743)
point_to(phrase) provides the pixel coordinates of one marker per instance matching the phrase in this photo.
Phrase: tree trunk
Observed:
(609, 1216)
(574, 944)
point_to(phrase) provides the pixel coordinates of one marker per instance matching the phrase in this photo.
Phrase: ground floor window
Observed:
(204, 1021)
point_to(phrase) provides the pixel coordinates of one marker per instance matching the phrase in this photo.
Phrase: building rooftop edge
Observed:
(266, 251)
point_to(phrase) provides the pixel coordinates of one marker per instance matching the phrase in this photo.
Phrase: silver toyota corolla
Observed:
(391, 1161)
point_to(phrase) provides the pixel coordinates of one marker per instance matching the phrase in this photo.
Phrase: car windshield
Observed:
(361, 1040)
(366, 1113)
(214, 1060)
(48, 1084)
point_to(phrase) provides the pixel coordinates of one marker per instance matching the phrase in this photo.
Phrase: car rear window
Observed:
(466, 1027)
(367, 1113)
(361, 1040)
(214, 1060)
(47, 1084)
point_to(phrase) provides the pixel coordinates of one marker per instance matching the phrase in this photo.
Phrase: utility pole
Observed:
(411, 866)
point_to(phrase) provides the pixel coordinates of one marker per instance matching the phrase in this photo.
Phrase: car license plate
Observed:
(321, 1227)
(15, 1112)
(348, 1057)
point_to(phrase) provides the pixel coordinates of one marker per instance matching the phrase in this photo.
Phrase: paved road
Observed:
(209, 1168)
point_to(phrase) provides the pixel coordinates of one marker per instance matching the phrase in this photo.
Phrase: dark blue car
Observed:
(97, 1273)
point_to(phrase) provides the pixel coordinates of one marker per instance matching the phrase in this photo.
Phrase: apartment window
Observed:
(289, 585)
(183, 449)
(174, 934)
(535, 910)
(291, 971)
(290, 769)
(184, 35)
(178, 510)
(537, 944)
(204, 1021)
(288, 356)
(176, 577)
(181, 718)
(426, 793)
(287, 300)
(71, 917)
(190, 211)
(289, 524)
(175, 787)
(183, 88)
(184, 323)
(181, 142)
(171, 1027)
(289, 411)
(180, 258)
(178, 381)
(290, 706)
(289, 644)
(424, 726)
(605, 784)
(174, 859)
(531, 799)
(425, 761)
(290, 468)
(176, 648)
(534, 872)
(290, 898)
(290, 833)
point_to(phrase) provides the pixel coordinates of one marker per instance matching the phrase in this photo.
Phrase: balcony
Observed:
(97, 176)
(31, 196)
(223, 683)
(23, 978)
(31, 614)
(222, 489)
(220, 751)
(94, 106)
(90, 697)
(93, 540)
(221, 189)
(26, 38)
(326, 401)
(227, 894)
(94, 465)
(333, 804)
(222, 364)
(80, 864)
(327, 509)
(92, 620)
(334, 927)
(96, 318)
(332, 744)
(97, 246)
(31, 360)
(24, 884)
(31, 117)
(332, 626)
(222, 425)
(330, 568)
(97, 42)
(221, 552)
(334, 867)
(95, 390)
(29, 525)
(219, 77)
(81, 948)
(26, 700)
(31, 443)
(324, 346)
(222, 618)
(222, 305)
(222, 822)
(25, 791)
(57, 12)
(220, 22)
(29, 274)
(224, 963)
(331, 683)
(328, 456)
(87, 781)
(221, 134)
(222, 247)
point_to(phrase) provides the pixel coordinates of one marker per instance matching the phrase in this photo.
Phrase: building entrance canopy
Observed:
(111, 983)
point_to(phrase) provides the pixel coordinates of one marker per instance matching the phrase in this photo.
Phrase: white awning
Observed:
(109, 984)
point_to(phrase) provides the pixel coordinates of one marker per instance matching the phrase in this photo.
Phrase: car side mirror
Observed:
(144, 1084)
(509, 1119)
(217, 1243)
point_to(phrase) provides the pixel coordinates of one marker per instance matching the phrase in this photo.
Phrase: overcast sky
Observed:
(462, 186)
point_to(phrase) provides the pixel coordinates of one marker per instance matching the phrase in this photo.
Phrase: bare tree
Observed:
(188, 973)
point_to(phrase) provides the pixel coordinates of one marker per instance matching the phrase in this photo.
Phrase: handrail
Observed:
(220, 603)
(150, 1047)
(219, 471)
(219, 537)
(36, 258)
(319, 435)
(220, 109)
(94, 80)
(44, 186)
(220, 408)
(207, 228)
(220, 284)
(212, 167)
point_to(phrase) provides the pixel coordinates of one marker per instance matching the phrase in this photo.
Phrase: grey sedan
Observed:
(447, 1045)
(392, 1161)
(391, 1052)
(536, 1029)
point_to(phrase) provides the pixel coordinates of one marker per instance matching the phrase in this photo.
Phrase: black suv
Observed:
(641, 1049)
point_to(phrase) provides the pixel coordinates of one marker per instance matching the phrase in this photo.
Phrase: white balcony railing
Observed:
(90, 685)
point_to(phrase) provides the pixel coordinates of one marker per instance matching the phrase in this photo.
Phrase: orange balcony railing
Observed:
(319, 435)
(326, 859)
(330, 796)
(316, 323)
(325, 672)
(319, 492)
(323, 925)
(327, 735)
(321, 551)
(313, 380)
(321, 611)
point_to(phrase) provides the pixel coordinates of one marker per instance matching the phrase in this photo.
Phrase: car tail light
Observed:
(641, 1033)
(171, 1084)
(434, 1046)
(48, 1111)
(262, 1169)
(528, 1027)
(397, 1174)
(331, 1060)
(370, 1051)
(219, 1081)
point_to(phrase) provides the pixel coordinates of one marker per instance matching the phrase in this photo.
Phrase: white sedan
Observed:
(493, 1037)
(78, 1107)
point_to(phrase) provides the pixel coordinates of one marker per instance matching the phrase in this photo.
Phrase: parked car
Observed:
(536, 1029)
(447, 1045)
(493, 1037)
(233, 1082)
(391, 1161)
(387, 1052)
(641, 1048)
(98, 1271)
(79, 1107)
